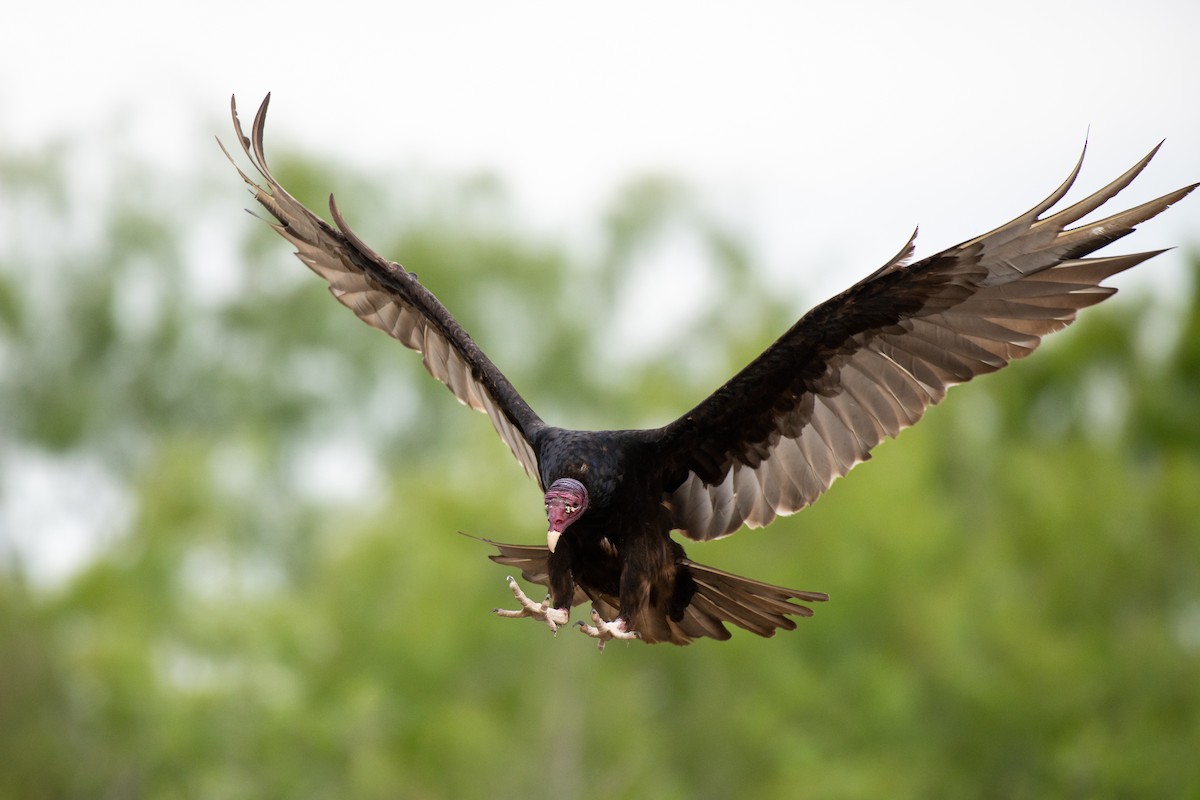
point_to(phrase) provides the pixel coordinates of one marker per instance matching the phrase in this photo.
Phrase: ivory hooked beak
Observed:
(552, 537)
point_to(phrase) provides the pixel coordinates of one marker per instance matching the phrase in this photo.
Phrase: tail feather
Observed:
(533, 561)
(760, 608)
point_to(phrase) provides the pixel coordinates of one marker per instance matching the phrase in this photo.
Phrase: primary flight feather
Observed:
(855, 369)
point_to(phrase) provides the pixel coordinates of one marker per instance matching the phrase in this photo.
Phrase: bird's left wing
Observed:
(387, 297)
(867, 363)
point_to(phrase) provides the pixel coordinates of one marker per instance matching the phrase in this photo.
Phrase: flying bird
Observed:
(857, 368)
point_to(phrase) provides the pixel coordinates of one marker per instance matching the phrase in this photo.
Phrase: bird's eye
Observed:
(572, 509)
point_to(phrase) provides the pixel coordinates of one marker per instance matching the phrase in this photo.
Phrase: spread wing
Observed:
(387, 297)
(867, 363)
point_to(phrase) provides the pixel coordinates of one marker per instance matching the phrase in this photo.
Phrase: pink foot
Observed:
(602, 631)
(553, 617)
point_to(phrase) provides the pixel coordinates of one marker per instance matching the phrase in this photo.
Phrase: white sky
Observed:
(824, 132)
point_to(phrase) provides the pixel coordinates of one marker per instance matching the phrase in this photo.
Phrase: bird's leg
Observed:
(544, 611)
(602, 631)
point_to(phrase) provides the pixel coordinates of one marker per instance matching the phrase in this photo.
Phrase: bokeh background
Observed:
(228, 559)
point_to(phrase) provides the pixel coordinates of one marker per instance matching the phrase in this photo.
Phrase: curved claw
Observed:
(603, 630)
(544, 611)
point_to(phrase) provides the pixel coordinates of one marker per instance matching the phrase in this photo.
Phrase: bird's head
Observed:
(566, 500)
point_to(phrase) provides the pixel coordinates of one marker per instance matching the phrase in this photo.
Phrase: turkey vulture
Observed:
(856, 368)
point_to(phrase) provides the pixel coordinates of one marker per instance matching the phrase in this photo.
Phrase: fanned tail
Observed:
(720, 597)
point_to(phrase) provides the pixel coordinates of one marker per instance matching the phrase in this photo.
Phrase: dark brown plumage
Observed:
(857, 368)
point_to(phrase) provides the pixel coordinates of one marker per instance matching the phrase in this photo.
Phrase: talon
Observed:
(553, 617)
(602, 631)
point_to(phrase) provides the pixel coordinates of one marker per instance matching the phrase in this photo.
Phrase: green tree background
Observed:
(277, 604)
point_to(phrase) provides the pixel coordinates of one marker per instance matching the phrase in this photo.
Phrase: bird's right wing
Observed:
(387, 297)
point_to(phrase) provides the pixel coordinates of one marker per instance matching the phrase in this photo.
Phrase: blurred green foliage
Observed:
(283, 609)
